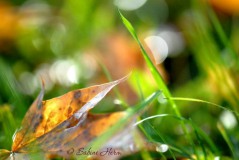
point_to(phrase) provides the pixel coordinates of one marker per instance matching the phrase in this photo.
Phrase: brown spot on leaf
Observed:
(69, 110)
(35, 126)
(77, 94)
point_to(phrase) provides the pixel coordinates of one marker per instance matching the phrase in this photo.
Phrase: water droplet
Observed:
(162, 99)
(117, 102)
(162, 148)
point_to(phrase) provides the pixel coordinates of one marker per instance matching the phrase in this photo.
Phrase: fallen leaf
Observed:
(55, 126)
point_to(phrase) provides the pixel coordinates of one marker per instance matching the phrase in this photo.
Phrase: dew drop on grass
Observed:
(162, 148)
(158, 47)
(162, 99)
(118, 102)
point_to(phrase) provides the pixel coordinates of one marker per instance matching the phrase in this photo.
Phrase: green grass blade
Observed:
(198, 131)
(202, 101)
(199, 140)
(222, 36)
(158, 134)
(150, 64)
(181, 119)
(139, 87)
(157, 77)
(151, 117)
(153, 69)
(149, 137)
(211, 144)
(227, 139)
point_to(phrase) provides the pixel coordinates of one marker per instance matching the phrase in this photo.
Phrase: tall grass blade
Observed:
(157, 77)
(168, 115)
(227, 139)
(158, 134)
(202, 101)
(211, 144)
(199, 140)
(225, 40)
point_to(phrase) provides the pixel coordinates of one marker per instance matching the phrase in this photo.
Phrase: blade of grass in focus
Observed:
(181, 119)
(205, 102)
(202, 137)
(154, 71)
(158, 78)
(148, 124)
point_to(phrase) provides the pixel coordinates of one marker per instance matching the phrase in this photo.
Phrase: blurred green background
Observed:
(74, 44)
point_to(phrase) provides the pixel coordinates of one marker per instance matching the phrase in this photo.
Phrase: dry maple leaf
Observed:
(54, 126)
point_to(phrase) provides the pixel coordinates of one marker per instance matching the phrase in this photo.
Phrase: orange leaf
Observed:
(56, 125)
